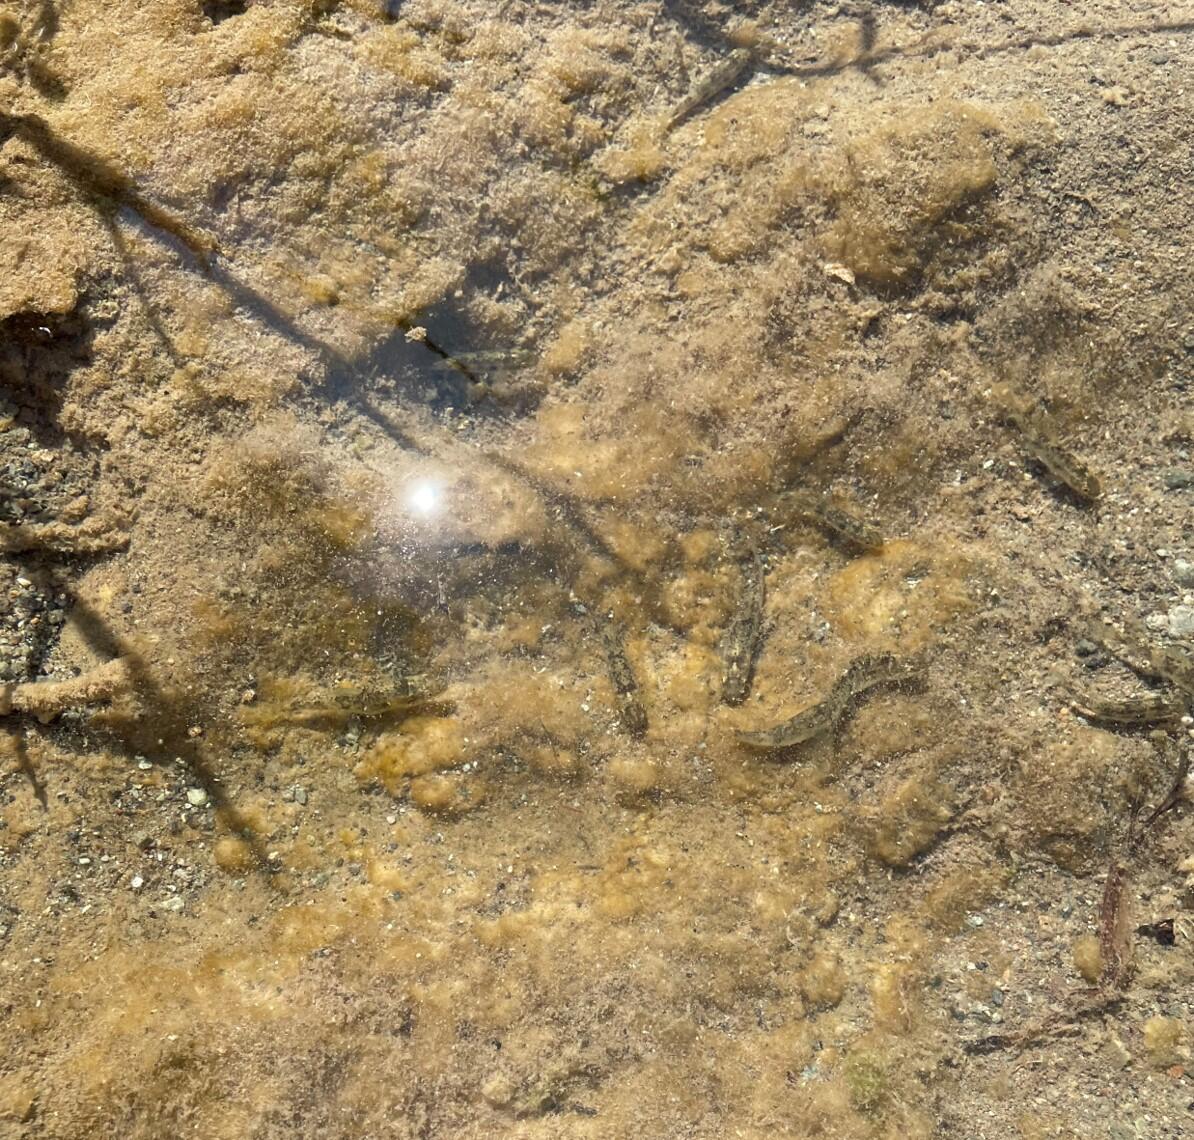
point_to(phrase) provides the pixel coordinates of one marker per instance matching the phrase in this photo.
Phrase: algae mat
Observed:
(596, 570)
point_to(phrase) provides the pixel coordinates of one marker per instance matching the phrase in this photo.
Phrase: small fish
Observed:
(1064, 466)
(841, 524)
(342, 703)
(1176, 667)
(722, 75)
(487, 362)
(1148, 708)
(849, 528)
(804, 726)
(863, 674)
(1132, 647)
(743, 636)
(621, 673)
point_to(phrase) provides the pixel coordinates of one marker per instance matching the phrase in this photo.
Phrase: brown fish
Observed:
(1068, 469)
(743, 637)
(621, 673)
(722, 75)
(863, 674)
(1147, 708)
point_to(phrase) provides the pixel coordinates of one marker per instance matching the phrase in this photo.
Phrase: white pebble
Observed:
(1181, 621)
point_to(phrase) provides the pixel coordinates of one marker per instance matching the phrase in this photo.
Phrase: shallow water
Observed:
(535, 614)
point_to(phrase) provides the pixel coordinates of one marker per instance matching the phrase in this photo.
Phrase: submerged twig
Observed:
(47, 699)
(94, 536)
(1114, 947)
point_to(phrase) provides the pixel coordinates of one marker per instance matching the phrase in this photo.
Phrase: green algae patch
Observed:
(867, 1079)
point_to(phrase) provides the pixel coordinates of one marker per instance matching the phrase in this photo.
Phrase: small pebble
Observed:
(136, 882)
(1181, 621)
(1183, 572)
(1178, 480)
(1117, 1053)
(196, 797)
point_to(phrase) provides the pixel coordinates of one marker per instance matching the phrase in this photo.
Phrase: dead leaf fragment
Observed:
(840, 272)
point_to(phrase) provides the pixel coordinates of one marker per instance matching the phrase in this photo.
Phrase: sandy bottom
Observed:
(592, 571)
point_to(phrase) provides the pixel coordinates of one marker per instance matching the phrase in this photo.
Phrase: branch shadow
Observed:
(134, 278)
(26, 767)
(566, 508)
(170, 716)
(926, 50)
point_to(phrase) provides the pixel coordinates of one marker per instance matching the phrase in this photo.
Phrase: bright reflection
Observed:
(424, 498)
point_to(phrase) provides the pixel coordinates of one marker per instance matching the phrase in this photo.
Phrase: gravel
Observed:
(40, 486)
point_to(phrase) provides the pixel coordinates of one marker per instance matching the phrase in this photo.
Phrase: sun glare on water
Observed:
(424, 498)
